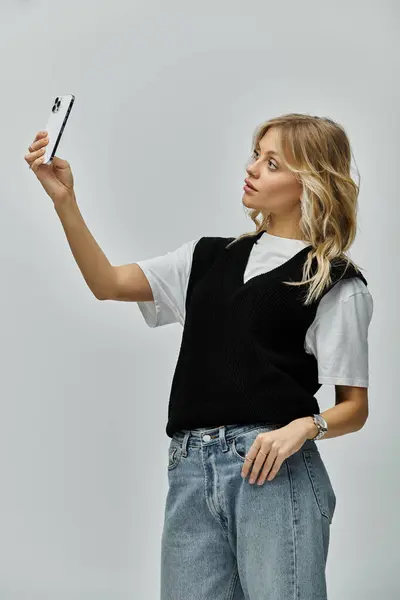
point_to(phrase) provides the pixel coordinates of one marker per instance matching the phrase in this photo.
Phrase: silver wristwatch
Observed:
(322, 426)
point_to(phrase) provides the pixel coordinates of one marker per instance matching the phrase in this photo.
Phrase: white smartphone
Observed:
(60, 111)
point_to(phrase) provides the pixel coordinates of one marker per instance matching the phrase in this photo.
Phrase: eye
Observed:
(255, 155)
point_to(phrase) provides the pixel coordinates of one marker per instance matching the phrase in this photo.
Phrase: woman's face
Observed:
(277, 190)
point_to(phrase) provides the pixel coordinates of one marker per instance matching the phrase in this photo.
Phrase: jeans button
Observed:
(206, 438)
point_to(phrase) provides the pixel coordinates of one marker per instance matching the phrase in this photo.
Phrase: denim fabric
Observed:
(227, 539)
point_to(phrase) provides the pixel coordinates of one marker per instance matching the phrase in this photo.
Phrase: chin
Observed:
(246, 200)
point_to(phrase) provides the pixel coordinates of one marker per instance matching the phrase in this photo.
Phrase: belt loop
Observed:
(184, 443)
(222, 439)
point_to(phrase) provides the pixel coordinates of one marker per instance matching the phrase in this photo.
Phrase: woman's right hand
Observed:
(56, 177)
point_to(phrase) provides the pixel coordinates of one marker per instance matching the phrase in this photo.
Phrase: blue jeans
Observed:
(227, 539)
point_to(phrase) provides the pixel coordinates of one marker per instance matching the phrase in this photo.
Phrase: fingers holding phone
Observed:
(54, 173)
(37, 150)
(55, 177)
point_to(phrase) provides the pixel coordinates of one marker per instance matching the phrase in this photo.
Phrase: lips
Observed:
(247, 182)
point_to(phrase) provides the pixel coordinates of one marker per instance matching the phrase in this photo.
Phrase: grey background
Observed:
(168, 95)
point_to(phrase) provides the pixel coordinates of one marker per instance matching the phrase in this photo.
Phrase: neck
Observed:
(286, 225)
(285, 233)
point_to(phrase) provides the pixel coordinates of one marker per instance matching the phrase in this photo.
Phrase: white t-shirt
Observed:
(338, 336)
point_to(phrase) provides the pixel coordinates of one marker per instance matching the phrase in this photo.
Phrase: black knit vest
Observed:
(242, 358)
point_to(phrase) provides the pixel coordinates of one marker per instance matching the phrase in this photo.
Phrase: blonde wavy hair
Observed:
(317, 151)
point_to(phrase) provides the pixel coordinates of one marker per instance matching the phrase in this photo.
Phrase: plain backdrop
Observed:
(168, 95)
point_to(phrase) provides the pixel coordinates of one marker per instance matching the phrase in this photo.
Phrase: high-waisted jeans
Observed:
(227, 539)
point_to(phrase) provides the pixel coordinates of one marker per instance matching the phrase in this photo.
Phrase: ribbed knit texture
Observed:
(242, 357)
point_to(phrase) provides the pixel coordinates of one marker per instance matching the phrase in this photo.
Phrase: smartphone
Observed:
(60, 111)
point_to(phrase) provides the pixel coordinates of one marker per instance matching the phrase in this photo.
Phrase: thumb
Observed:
(60, 163)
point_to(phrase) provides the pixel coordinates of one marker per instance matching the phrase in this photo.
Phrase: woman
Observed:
(268, 318)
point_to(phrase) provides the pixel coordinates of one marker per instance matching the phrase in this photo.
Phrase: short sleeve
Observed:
(168, 277)
(338, 336)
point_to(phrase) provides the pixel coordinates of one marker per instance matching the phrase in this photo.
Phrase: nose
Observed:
(250, 172)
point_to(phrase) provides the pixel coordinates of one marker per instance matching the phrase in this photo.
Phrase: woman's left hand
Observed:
(271, 448)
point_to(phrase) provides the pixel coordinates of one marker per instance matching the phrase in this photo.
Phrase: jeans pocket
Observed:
(242, 443)
(174, 454)
(321, 483)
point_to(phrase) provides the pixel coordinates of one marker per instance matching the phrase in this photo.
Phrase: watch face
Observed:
(322, 423)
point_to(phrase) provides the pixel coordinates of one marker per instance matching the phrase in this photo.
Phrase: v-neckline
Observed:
(251, 240)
